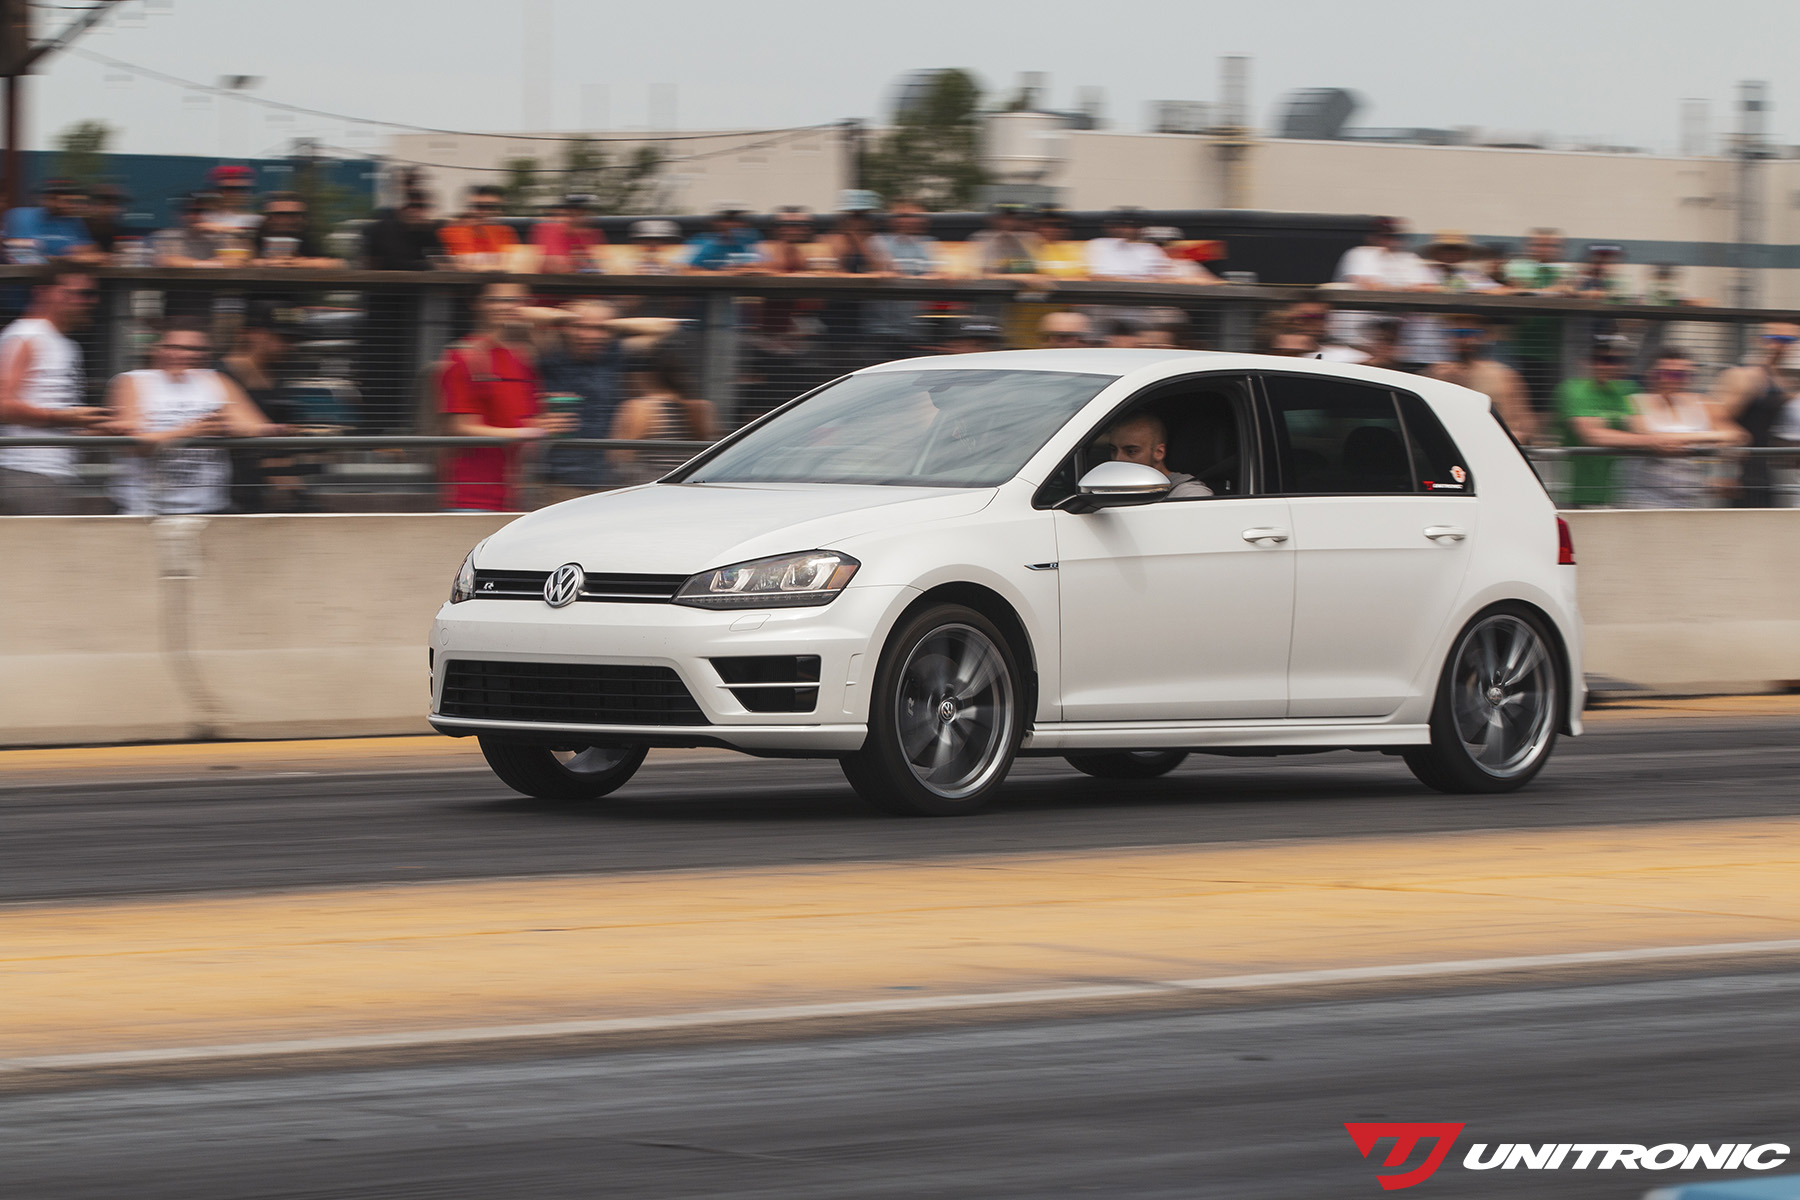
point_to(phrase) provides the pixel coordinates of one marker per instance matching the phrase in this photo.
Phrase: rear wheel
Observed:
(1498, 707)
(1127, 764)
(944, 719)
(562, 772)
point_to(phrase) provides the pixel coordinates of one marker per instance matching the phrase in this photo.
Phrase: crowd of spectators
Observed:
(532, 370)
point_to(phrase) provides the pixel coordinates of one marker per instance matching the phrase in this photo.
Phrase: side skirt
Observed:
(1065, 737)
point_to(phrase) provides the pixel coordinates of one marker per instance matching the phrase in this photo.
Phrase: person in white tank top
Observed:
(41, 391)
(1670, 408)
(167, 404)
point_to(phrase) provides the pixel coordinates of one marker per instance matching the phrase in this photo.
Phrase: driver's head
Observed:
(1141, 438)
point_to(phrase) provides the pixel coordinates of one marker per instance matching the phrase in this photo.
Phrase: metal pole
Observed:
(14, 193)
(719, 356)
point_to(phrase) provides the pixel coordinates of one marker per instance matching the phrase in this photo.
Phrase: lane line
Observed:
(899, 1006)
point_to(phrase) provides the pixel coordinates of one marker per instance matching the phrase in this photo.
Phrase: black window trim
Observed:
(1250, 420)
(1275, 467)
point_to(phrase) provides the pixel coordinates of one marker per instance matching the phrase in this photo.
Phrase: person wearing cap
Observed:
(1123, 253)
(53, 229)
(1537, 340)
(568, 238)
(1059, 254)
(1599, 278)
(973, 335)
(1597, 411)
(907, 248)
(1471, 365)
(789, 249)
(1006, 246)
(192, 243)
(1384, 264)
(233, 215)
(654, 241)
(479, 239)
(284, 238)
(730, 245)
(404, 238)
(850, 247)
(105, 220)
(1451, 255)
(1182, 268)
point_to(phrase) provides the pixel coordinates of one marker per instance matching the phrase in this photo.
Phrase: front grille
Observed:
(614, 588)
(567, 693)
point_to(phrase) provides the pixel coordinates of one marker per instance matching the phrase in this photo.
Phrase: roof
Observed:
(1105, 361)
(1151, 365)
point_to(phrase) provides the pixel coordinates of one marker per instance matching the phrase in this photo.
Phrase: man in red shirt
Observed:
(489, 388)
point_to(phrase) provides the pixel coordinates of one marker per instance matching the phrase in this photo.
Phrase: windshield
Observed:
(942, 428)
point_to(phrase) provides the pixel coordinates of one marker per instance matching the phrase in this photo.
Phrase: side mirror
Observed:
(1116, 484)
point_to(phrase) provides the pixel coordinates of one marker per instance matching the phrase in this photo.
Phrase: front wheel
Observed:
(1498, 707)
(1127, 764)
(562, 772)
(944, 719)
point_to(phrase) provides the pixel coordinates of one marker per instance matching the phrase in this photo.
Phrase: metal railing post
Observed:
(719, 355)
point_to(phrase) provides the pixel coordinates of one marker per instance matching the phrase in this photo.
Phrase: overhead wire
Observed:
(265, 102)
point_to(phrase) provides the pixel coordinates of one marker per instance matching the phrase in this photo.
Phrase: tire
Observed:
(1127, 764)
(562, 773)
(944, 717)
(1498, 708)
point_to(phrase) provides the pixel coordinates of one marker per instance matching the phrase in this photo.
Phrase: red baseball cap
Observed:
(231, 174)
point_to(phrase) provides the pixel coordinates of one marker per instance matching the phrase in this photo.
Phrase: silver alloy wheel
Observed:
(954, 713)
(1503, 693)
(590, 760)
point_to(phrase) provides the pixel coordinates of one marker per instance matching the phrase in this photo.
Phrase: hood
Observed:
(685, 528)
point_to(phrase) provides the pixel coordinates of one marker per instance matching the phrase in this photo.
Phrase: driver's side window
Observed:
(1196, 431)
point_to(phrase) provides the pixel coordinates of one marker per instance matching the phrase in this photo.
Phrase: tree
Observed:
(523, 186)
(627, 186)
(81, 152)
(932, 155)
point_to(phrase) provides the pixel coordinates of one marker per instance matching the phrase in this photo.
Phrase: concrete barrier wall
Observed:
(1692, 600)
(124, 629)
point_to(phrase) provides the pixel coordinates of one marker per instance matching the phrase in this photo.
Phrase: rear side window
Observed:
(1338, 438)
(1436, 460)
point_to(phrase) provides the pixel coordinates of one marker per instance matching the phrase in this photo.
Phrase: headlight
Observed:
(791, 581)
(464, 587)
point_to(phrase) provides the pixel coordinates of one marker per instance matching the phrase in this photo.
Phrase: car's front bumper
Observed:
(846, 635)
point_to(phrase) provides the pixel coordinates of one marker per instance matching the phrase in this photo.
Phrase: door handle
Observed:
(1265, 534)
(1446, 533)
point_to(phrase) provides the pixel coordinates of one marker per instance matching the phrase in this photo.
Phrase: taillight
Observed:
(1565, 545)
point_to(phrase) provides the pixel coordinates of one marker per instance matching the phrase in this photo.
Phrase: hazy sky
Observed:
(1595, 69)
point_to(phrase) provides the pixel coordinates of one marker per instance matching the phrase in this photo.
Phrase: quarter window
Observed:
(1436, 460)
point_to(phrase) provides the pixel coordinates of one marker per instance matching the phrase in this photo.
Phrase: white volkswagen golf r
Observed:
(929, 567)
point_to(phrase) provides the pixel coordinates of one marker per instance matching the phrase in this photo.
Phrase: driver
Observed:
(1143, 438)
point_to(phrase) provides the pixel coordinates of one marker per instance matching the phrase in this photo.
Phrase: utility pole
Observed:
(1231, 135)
(1750, 151)
(18, 55)
(853, 152)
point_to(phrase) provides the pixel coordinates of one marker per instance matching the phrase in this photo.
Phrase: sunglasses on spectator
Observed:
(1781, 337)
(186, 347)
(86, 291)
(1466, 332)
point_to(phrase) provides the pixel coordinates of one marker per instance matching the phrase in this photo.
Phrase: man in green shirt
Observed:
(1537, 341)
(1597, 411)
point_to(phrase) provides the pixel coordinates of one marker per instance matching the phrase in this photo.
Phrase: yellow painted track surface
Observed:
(102, 977)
